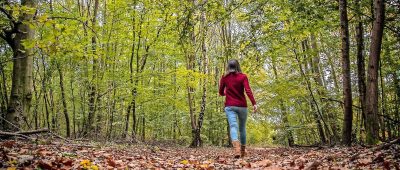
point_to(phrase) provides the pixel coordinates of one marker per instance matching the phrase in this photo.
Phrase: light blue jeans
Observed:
(237, 117)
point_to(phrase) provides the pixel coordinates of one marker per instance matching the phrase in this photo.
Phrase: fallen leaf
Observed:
(25, 159)
(264, 163)
(221, 160)
(364, 162)
(8, 144)
(111, 162)
(184, 162)
(45, 164)
(313, 165)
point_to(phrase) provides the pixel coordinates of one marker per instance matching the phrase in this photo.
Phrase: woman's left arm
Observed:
(221, 87)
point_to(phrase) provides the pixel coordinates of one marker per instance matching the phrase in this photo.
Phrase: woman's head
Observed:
(233, 66)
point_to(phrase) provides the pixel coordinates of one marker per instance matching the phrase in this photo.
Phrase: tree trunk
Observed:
(397, 104)
(360, 60)
(131, 79)
(92, 88)
(373, 66)
(320, 90)
(54, 115)
(4, 97)
(73, 106)
(347, 97)
(143, 128)
(288, 131)
(189, 42)
(197, 142)
(318, 117)
(21, 89)
(64, 103)
(383, 103)
(35, 110)
(318, 112)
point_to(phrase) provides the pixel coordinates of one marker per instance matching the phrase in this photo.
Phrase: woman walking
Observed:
(233, 85)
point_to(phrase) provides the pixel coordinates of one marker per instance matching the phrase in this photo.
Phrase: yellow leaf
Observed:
(94, 167)
(184, 162)
(12, 162)
(204, 166)
(85, 163)
(11, 168)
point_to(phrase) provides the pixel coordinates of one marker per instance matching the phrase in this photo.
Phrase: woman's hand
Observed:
(255, 107)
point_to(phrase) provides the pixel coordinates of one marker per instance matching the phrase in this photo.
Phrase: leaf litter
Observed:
(15, 154)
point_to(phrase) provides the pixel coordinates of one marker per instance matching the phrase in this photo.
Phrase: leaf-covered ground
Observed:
(64, 155)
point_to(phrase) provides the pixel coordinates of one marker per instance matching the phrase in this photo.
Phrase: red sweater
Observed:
(233, 86)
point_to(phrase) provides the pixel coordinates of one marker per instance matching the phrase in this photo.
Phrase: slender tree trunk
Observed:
(73, 107)
(3, 105)
(139, 69)
(112, 111)
(197, 142)
(372, 127)
(189, 41)
(397, 104)
(228, 50)
(383, 103)
(360, 60)
(54, 115)
(288, 131)
(319, 118)
(35, 110)
(131, 78)
(4, 96)
(318, 112)
(175, 126)
(64, 102)
(143, 128)
(90, 126)
(320, 90)
(347, 96)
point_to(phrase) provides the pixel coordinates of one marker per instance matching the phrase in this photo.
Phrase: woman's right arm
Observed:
(221, 87)
(249, 93)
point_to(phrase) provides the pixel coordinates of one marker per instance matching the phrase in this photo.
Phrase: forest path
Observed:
(62, 155)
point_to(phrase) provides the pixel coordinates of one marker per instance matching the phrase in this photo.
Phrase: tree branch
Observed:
(8, 15)
(8, 134)
(358, 107)
(395, 30)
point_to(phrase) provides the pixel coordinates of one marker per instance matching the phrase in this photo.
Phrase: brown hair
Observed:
(232, 66)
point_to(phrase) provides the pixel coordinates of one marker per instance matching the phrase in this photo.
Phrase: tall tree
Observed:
(19, 37)
(63, 100)
(373, 66)
(347, 97)
(93, 94)
(285, 115)
(360, 59)
(197, 142)
(318, 79)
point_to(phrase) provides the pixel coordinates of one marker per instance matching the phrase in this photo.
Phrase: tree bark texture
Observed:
(21, 89)
(373, 66)
(347, 96)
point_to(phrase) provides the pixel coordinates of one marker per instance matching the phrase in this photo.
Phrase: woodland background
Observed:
(323, 72)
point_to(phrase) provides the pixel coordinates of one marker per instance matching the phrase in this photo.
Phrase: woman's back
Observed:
(233, 87)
